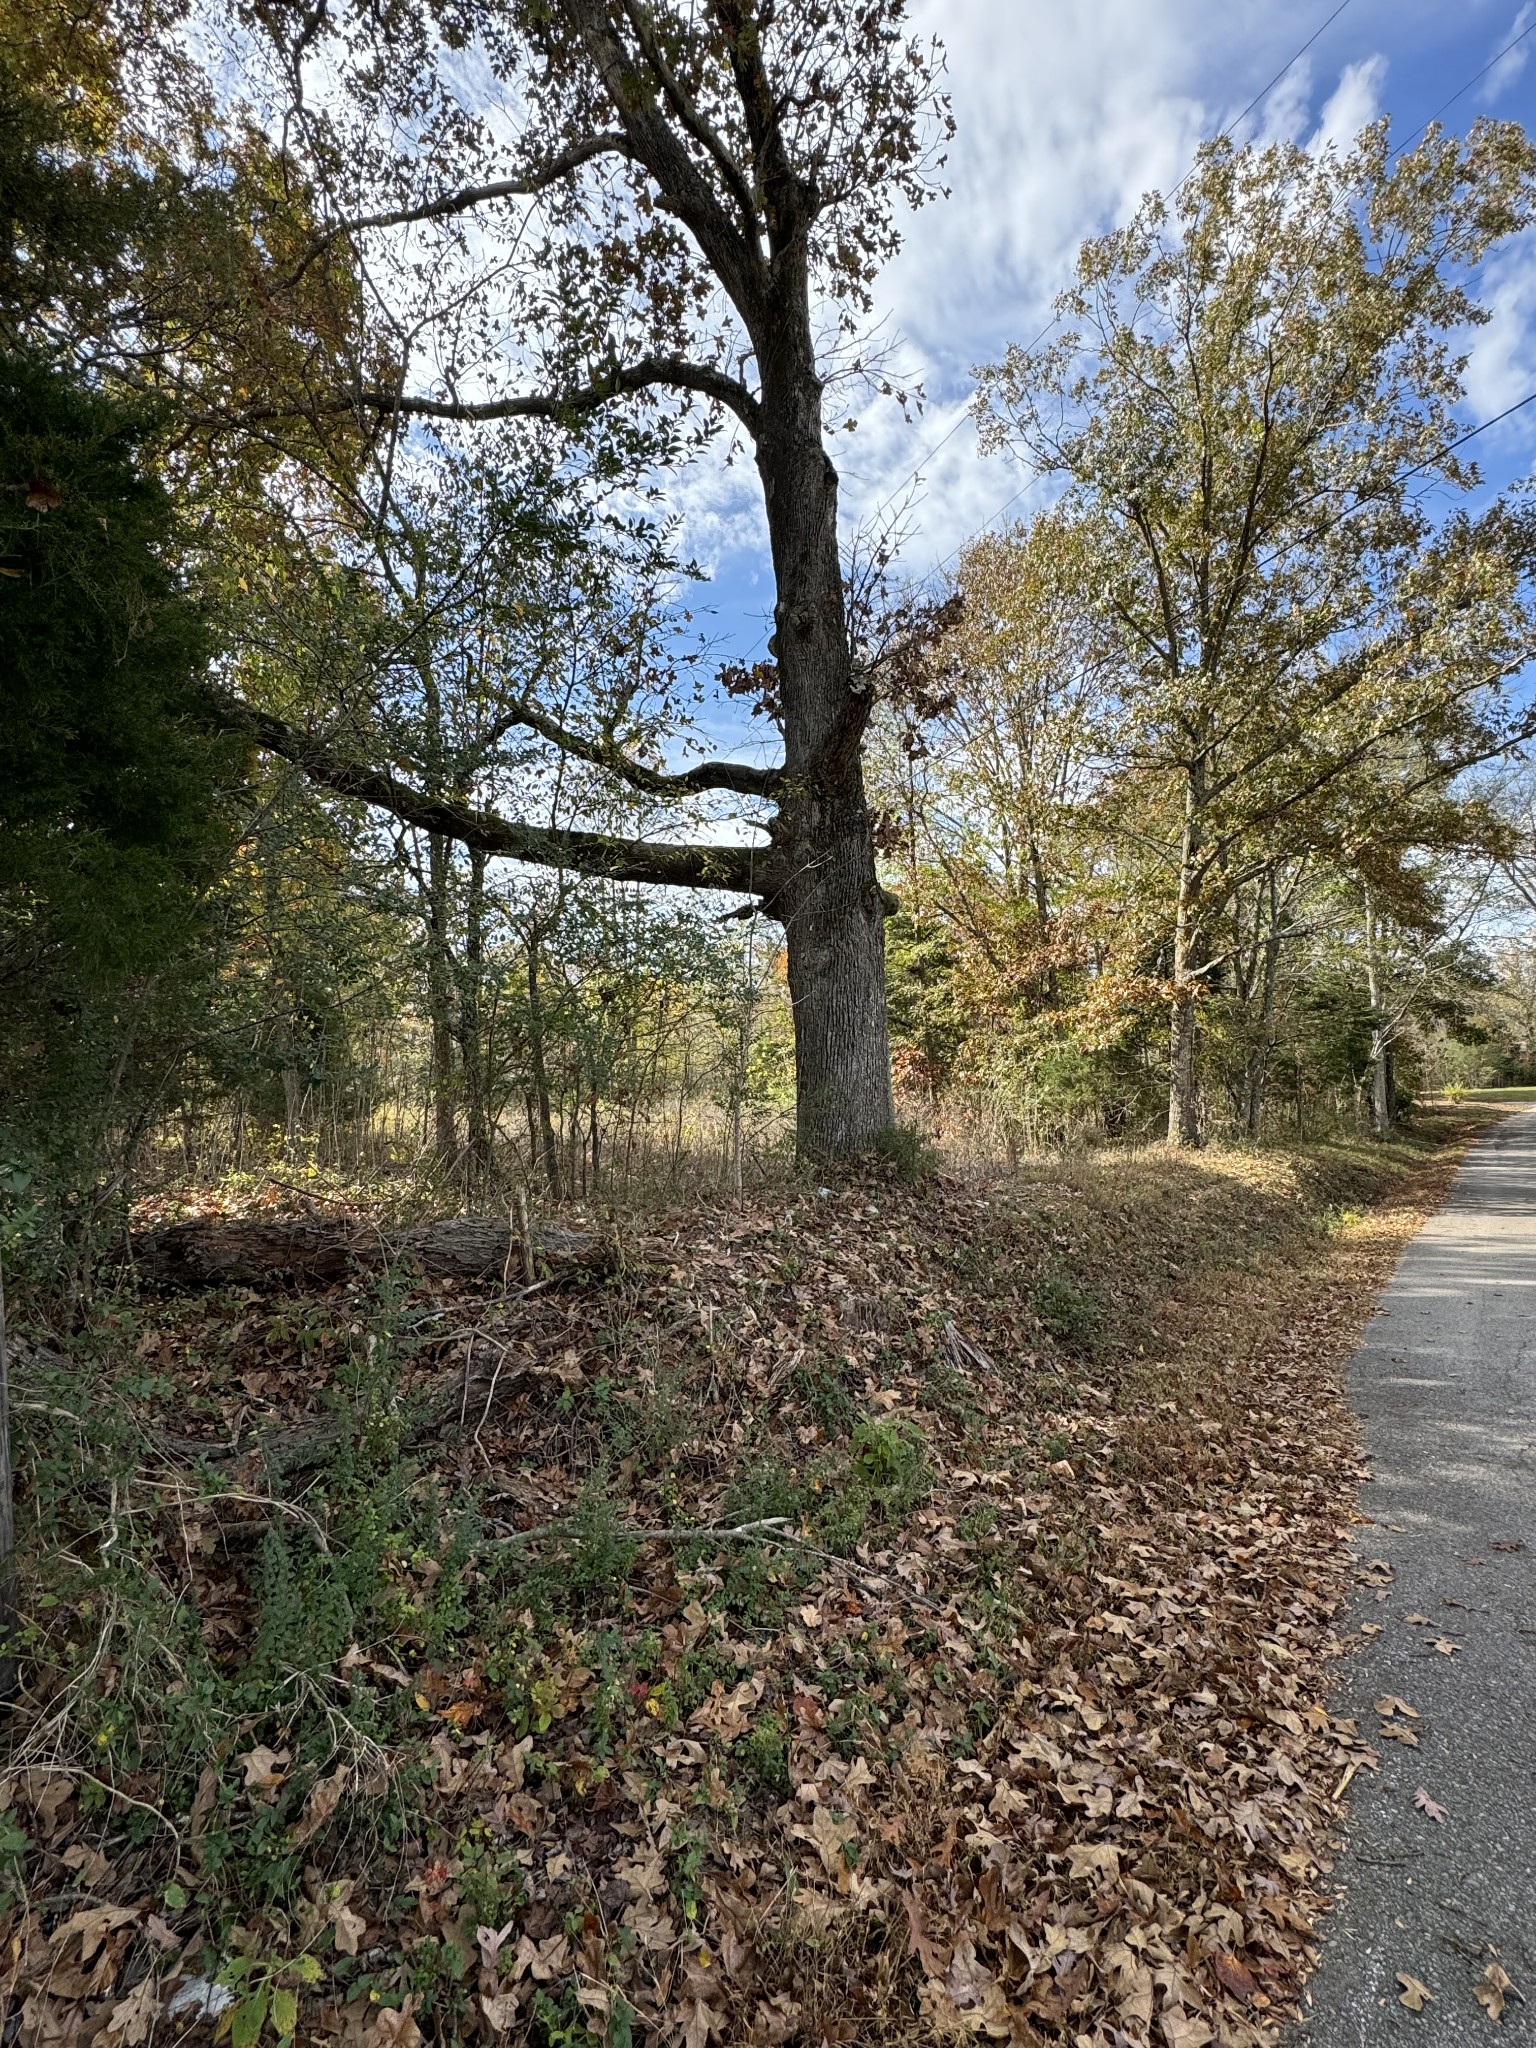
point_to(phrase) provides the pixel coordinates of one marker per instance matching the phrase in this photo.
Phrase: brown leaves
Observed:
(1414, 1994)
(263, 1768)
(933, 1957)
(1398, 1713)
(1134, 1647)
(1491, 1991)
(131, 2021)
(1236, 1977)
(322, 1802)
(1425, 1804)
(729, 1714)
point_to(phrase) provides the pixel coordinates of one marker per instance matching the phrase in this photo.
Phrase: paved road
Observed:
(1446, 1384)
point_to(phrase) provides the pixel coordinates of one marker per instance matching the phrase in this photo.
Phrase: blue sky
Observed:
(1067, 111)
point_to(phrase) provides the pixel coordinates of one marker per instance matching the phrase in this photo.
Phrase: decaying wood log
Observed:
(263, 1253)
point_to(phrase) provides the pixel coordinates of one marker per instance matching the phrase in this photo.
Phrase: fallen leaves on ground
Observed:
(1432, 1807)
(1043, 1758)
(1415, 1994)
(1491, 1991)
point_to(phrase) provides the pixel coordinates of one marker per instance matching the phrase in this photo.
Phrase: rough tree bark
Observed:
(471, 1035)
(265, 1253)
(1383, 1106)
(538, 1070)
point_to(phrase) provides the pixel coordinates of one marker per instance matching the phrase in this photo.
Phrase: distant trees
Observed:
(1255, 391)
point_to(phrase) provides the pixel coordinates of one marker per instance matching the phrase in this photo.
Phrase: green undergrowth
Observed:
(250, 1681)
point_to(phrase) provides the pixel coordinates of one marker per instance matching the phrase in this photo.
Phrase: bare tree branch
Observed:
(674, 372)
(527, 186)
(742, 870)
(736, 776)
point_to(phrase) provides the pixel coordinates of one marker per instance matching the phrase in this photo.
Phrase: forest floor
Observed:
(882, 1613)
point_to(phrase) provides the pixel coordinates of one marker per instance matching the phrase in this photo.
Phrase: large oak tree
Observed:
(679, 236)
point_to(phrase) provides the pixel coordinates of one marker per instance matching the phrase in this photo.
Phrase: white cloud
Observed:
(1354, 102)
(1288, 107)
(1502, 364)
(1512, 61)
(1065, 117)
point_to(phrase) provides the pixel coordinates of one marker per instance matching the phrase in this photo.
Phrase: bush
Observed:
(888, 1474)
(907, 1151)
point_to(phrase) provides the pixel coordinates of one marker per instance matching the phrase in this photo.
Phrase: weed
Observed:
(1073, 1313)
(908, 1151)
(265, 1996)
(890, 1459)
(762, 1491)
(981, 1521)
(600, 1558)
(765, 1754)
(950, 1395)
(820, 1386)
(888, 1474)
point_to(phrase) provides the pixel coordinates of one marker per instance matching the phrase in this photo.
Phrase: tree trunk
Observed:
(538, 1070)
(1381, 1037)
(1042, 896)
(235, 1252)
(440, 996)
(10, 1678)
(472, 1063)
(1263, 1046)
(831, 905)
(1183, 1103)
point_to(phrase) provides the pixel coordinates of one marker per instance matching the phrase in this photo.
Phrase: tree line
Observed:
(358, 785)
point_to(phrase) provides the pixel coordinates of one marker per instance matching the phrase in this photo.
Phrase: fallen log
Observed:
(267, 1252)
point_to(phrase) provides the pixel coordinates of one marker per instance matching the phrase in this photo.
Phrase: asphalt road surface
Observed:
(1445, 1382)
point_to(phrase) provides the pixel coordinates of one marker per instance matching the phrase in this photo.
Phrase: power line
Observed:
(1455, 96)
(1419, 468)
(1283, 72)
